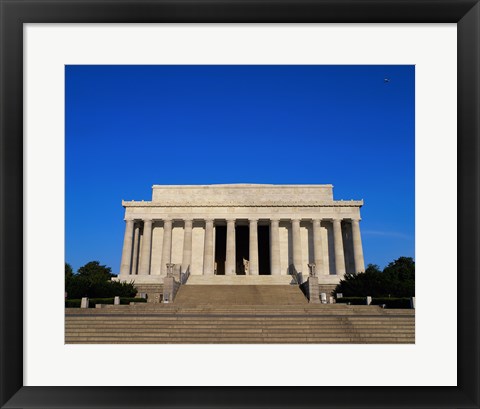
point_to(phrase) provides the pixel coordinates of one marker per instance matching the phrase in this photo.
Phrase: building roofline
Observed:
(239, 185)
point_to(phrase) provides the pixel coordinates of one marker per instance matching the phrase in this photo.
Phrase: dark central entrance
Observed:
(242, 249)
(264, 250)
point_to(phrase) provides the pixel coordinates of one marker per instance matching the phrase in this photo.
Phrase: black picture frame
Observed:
(14, 13)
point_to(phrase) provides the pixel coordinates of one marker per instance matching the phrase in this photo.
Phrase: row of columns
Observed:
(230, 262)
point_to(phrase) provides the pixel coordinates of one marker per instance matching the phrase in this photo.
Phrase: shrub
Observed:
(389, 302)
(129, 300)
(72, 303)
(92, 301)
(78, 287)
(101, 301)
(352, 300)
(392, 302)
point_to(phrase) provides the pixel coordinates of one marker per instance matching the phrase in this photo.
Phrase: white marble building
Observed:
(241, 229)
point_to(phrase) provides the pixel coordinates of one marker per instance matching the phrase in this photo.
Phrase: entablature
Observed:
(294, 203)
(238, 212)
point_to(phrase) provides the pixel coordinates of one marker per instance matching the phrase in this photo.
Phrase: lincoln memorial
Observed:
(242, 230)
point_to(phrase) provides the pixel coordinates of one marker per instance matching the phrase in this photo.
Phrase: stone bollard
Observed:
(116, 300)
(339, 295)
(84, 303)
(330, 300)
(412, 302)
(313, 296)
(369, 300)
(168, 288)
(323, 298)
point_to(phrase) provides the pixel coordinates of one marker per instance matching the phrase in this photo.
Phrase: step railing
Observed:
(297, 276)
(173, 281)
(184, 275)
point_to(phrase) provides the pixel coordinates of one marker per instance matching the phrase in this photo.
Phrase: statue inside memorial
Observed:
(246, 266)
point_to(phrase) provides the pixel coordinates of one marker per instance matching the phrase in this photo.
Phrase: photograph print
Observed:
(240, 204)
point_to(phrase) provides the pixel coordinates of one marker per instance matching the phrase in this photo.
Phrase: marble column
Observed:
(253, 247)
(318, 247)
(357, 247)
(146, 250)
(230, 267)
(166, 247)
(208, 267)
(125, 264)
(187, 246)
(136, 247)
(338, 245)
(297, 246)
(274, 248)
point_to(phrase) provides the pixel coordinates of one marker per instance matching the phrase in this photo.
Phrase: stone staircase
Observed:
(240, 280)
(231, 295)
(296, 323)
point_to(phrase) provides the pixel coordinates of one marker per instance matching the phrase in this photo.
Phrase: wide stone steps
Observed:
(237, 330)
(141, 309)
(134, 319)
(256, 324)
(237, 339)
(216, 321)
(240, 329)
(253, 313)
(227, 295)
(240, 280)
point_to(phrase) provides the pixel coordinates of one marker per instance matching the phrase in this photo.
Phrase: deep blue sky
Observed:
(129, 127)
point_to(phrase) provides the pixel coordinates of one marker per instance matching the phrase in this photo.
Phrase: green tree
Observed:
(68, 271)
(400, 274)
(94, 280)
(402, 268)
(94, 272)
(396, 280)
(69, 278)
(372, 269)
